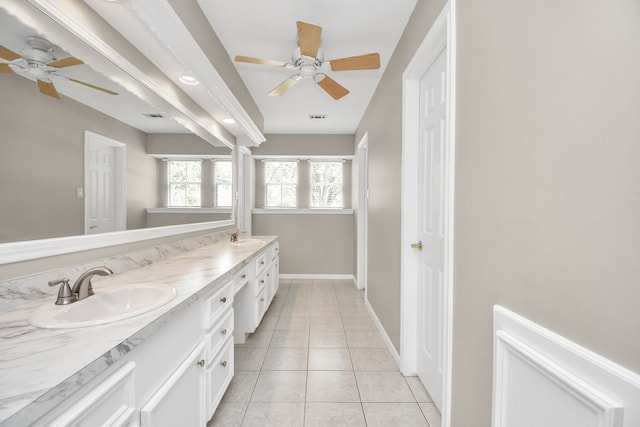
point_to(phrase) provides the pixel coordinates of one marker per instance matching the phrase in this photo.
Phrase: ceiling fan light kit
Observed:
(308, 61)
(38, 62)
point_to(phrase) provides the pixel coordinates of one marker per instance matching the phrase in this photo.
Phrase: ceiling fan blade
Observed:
(332, 87)
(65, 62)
(5, 69)
(48, 89)
(309, 38)
(370, 61)
(110, 92)
(283, 87)
(259, 61)
(7, 54)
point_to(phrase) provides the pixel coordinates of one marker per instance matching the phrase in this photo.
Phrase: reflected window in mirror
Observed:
(198, 183)
(222, 177)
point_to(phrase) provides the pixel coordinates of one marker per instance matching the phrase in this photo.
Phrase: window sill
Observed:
(302, 211)
(188, 210)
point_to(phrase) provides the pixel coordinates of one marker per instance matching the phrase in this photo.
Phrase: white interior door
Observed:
(104, 190)
(363, 197)
(432, 214)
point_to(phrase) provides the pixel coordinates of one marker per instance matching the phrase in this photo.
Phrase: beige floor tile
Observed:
(326, 323)
(280, 386)
(249, 358)
(292, 324)
(372, 359)
(394, 414)
(365, 339)
(383, 386)
(269, 322)
(241, 386)
(286, 359)
(332, 386)
(329, 359)
(274, 415)
(327, 339)
(418, 390)
(432, 414)
(260, 338)
(290, 339)
(334, 415)
(228, 414)
(358, 323)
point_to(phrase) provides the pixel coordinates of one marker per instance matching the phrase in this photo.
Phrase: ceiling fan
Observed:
(38, 62)
(308, 61)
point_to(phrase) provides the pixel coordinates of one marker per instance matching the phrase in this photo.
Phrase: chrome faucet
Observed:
(82, 287)
(234, 236)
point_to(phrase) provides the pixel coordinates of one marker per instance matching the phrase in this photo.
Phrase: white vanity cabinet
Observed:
(179, 373)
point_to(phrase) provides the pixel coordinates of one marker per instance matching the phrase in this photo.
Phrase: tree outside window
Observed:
(185, 178)
(281, 180)
(326, 184)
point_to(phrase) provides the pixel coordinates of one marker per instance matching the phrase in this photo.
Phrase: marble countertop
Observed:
(41, 367)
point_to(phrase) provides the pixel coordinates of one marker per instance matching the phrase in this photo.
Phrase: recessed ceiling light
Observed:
(189, 80)
(229, 121)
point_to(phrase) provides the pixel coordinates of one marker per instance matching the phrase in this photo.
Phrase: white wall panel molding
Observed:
(541, 378)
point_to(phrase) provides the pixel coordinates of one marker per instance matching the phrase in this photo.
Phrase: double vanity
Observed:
(152, 347)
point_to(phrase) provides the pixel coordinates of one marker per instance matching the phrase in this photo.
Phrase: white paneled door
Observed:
(432, 214)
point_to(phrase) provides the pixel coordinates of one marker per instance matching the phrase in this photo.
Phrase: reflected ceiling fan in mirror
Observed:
(37, 62)
(308, 61)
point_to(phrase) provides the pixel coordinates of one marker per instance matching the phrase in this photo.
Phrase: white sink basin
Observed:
(109, 304)
(250, 242)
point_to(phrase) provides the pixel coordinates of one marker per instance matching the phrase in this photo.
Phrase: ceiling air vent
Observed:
(154, 115)
(317, 116)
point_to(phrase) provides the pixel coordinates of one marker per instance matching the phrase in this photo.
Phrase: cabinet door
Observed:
(181, 399)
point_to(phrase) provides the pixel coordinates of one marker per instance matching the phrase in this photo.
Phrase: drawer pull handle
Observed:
(223, 300)
(223, 332)
(261, 262)
(262, 281)
(244, 276)
(261, 299)
(201, 363)
(267, 274)
(224, 364)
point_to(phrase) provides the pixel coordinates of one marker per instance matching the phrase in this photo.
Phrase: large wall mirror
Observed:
(83, 155)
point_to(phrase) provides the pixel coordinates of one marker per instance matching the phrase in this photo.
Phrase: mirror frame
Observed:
(54, 19)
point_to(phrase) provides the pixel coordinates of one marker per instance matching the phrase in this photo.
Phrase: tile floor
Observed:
(317, 359)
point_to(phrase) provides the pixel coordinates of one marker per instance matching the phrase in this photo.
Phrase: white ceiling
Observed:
(267, 29)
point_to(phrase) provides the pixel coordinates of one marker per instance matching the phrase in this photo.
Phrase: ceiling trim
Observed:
(166, 23)
(193, 122)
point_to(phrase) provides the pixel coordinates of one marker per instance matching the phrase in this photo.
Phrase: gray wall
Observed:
(383, 121)
(332, 250)
(547, 180)
(42, 163)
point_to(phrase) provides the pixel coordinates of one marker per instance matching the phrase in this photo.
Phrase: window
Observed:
(185, 178)
(281, 182)
(325, 182)
(222, 182)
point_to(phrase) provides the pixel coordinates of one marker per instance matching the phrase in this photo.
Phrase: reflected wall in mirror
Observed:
(43, 163)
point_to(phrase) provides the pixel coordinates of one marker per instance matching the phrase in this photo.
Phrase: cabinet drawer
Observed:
(261, 305)
(261, 282)
(261, 263)
(217, 303)
(216, 337)
(219, 375)
(112, 403)
(240, 279)
(275, 250)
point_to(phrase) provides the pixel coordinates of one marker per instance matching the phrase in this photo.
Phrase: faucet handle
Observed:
(65, 296)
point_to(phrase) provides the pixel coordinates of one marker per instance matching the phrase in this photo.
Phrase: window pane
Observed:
(223, 195)
(289, 199)
(281, 179)
(177, 195)
(281, 172)
(273, 196)
(193, 195)
(177, 171)
(194, 169)
(326, 184)
(223, 171)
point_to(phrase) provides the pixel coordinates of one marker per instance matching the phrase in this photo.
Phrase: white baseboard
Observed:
(318, 276)
(382, 331)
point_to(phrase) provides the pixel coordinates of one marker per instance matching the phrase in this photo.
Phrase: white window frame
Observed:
(281, 185)
(186, 183)
(311, 183)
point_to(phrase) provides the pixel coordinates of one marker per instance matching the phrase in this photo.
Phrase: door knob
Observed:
(418, 245)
